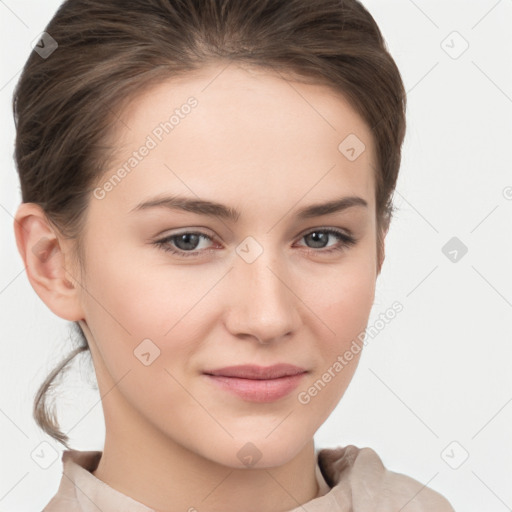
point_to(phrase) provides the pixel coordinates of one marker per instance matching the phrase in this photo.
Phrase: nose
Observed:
(262, 304)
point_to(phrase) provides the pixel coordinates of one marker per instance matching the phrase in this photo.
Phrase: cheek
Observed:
(141, 299)
(342, 300)
(134, 308)
(351, 303)
(142, 325)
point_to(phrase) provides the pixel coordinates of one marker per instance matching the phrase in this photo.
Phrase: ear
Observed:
(47, 259)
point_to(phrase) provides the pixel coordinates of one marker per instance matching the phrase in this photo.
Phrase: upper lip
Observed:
(249, 371)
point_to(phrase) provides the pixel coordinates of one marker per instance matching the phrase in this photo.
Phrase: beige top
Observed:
(350, 479)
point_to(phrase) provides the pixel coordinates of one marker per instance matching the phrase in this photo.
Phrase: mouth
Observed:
(258, 383)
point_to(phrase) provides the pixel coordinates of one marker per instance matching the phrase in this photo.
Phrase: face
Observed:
(174, 295)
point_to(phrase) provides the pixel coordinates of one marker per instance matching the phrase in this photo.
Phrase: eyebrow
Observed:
(212, 208)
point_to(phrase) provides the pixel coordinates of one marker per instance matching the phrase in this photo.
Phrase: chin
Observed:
(257, 453)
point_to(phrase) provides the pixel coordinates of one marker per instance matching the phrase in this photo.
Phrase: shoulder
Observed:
(373, 486)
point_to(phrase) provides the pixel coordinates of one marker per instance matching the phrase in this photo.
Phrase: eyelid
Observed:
(342, 231)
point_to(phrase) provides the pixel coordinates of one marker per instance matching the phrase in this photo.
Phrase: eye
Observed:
(320, 236)
(186, 243)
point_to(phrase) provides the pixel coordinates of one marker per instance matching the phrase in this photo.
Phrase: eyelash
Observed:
(346, 242)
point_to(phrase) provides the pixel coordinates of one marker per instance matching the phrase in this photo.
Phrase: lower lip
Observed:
(261, 391)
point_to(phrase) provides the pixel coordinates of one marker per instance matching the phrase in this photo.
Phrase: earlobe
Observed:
(46, 258)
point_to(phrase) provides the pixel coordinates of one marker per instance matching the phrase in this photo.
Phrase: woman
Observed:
(206, 192)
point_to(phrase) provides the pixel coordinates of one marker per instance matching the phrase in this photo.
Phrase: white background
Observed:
(439, 372)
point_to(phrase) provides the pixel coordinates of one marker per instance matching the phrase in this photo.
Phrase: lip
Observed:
(258, 383)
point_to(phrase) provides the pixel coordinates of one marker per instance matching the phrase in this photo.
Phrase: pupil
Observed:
(186, 238)
(316, 236)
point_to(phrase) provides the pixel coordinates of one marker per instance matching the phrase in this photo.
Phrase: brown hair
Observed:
(109, 50)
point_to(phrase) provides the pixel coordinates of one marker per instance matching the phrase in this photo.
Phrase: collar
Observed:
(350, 479)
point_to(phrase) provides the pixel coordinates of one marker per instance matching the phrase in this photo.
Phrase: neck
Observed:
(141, 462)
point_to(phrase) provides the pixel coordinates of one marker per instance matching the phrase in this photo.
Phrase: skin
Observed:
(267, 147)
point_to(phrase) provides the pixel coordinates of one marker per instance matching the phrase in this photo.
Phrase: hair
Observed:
(109, 51)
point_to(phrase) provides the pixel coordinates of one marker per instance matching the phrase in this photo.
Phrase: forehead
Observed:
(248, 128)
(244, 93)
